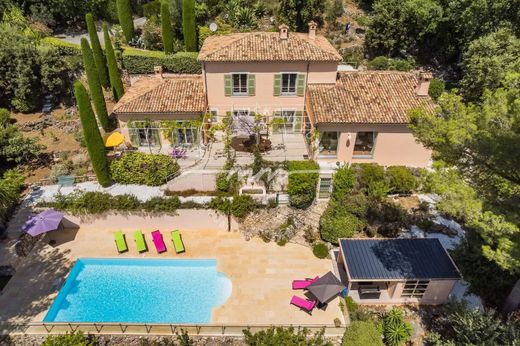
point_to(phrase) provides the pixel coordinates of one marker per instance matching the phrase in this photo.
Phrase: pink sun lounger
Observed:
(304, 304)
(158, 241)
(302, 284)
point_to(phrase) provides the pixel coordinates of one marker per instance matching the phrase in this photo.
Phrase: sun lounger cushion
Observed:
(302, 284)
(303, 304)
(158, 241)
(177, 242)
(139, 241)
(119, 237)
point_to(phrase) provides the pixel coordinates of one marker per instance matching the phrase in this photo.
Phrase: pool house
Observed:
(396, 271)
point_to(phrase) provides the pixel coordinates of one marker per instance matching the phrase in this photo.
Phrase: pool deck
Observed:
(261, 273)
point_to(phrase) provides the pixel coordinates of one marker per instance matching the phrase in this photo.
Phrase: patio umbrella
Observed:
(44, 222)
(114, 140)
(326, 287)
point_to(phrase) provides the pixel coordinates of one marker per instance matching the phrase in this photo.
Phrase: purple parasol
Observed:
(44, 222)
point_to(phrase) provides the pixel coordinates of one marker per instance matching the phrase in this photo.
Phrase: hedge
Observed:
(64, 47)
(303, 181)
(137, 61)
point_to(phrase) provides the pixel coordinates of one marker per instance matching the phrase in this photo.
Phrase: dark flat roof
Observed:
(380, 259)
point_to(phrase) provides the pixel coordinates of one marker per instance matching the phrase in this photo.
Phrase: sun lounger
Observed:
(177, 241)
(304, 304)
(139, 241)
(119, 237)
(158, 241)
(302, 284)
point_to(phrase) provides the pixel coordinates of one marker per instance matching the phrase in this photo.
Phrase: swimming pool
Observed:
(140, 291)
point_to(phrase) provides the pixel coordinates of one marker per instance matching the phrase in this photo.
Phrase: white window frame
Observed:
(233, 93)
(289, 93)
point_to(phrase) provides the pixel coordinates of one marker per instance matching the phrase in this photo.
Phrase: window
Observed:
(328, 144)
(289, 83)
(365, 143)
(240, 112)
(414, 288)
(213, 116)
(239, 84)
(325, 187)
(144, 134)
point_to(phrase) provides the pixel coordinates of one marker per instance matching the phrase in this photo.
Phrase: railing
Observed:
(154, 328)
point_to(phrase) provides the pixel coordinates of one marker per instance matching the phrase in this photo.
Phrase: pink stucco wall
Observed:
(395, 145)
(264, 101)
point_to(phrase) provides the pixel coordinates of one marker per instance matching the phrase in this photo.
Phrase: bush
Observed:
(395, 329)
(11, 186)
(72, 339)
(227, 183)
(362, 333)
(401, 180)
(336, 222)
(384, 63)
(356, 204)
(162, 204)
(285, 336)
(369, 173)
(302, 185)
(343, 181)
(242, 206)
(437, 87)
(145, 169)
(126, 202)
(64, 47)
(138, 61)
(320, 250)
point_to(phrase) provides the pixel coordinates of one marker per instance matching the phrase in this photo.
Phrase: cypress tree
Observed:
(95, 145)
(124, 14)
(166, 28)
(99, 58)
(188, 25)
(94, 85)
(113, 72)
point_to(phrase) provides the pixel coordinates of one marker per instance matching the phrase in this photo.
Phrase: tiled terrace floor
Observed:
(261, 273)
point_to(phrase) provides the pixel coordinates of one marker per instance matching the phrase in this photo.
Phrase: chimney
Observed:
(284, 32)
(424, 83)
(312, 29)
(157, 70)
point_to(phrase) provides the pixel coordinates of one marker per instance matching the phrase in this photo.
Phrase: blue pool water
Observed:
(140, 290)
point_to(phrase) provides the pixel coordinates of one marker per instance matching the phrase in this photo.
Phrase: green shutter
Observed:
(297, 124)
(227, 85)
(277, 84)
(251, 84)
(300, 84)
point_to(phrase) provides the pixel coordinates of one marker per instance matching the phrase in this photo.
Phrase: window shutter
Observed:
(227, 85)
(251, 84)
(300, 84)
(277, 84)
(297, 124)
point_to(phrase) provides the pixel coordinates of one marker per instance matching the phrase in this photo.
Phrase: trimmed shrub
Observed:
(343, 181)
(72, 339)
(94, 85)
(320, 250)
(162, 204)
(126, 202)
(138, 61)
(242, 205)
(93, 140)
(113, 71)
(189, 27)
(64, 47)
(369, 173)
(336, 222)
(99, 58)
(166, 25)
(303, 180)
(362, 333)
(401, 180)
(124, 14)
(437, 87)
(145, 169)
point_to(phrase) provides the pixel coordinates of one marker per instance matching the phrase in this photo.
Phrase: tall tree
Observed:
(99, 58)
(166, 25)
(188, 25)
(124, 14)
(94, 85)
(113, 71)
(95, 145)
(298, 13)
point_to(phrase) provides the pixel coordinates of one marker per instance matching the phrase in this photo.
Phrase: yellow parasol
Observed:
(114, 140)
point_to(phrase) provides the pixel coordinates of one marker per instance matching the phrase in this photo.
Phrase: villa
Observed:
(291, 81)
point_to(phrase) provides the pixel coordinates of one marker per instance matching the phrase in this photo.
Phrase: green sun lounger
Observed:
(120, 241)
(177, 241)
(140, 243)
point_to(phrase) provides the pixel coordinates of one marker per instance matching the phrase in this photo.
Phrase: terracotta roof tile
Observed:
(167, 95)
(267, 46)
(367, 97)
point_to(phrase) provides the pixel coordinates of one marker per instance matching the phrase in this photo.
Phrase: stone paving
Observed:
(261, 273)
